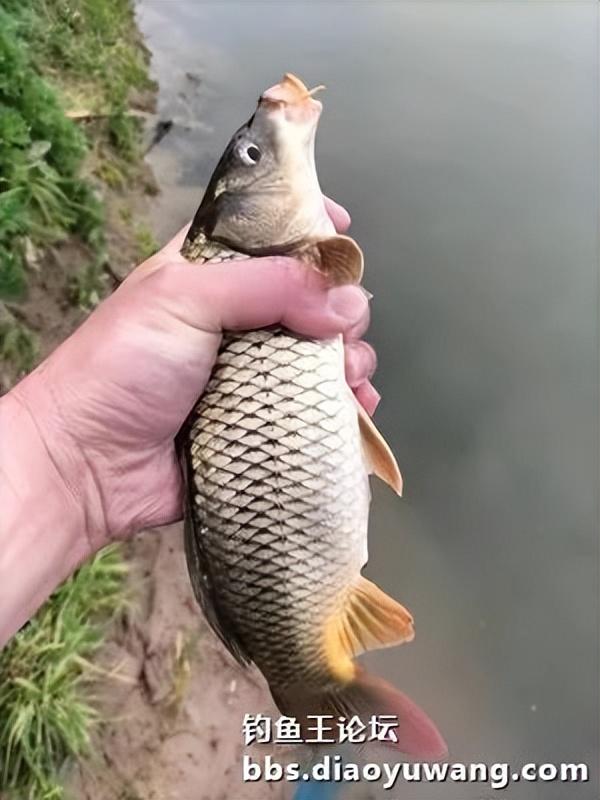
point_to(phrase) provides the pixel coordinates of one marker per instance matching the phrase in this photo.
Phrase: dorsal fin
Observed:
(369, 619)
(378, 453)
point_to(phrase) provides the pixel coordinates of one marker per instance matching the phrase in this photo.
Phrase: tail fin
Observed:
(369, 696)
(417, 736)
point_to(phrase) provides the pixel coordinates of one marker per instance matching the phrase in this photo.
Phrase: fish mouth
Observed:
(293, 99)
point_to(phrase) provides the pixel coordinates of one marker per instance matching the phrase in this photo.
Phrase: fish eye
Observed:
(250, 154)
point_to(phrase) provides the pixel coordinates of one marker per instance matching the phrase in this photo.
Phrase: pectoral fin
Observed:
(341, 260)
(378, 453)
(369, 620)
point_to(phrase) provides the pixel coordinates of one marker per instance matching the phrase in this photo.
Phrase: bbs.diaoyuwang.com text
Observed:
(328, 769)
(325, 729)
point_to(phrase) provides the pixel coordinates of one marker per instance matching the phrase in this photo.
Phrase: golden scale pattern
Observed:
(276, 474)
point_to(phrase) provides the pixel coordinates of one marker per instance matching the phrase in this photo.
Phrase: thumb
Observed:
(258, 292)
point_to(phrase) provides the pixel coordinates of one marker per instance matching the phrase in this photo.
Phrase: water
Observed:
(463, 138)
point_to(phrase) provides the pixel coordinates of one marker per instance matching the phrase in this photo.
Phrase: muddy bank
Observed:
(50, 310)
(172, 697)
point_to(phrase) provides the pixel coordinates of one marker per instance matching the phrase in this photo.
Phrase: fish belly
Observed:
(279, 497)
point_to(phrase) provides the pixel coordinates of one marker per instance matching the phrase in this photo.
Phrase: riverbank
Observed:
(71, 163)
(172, 699)
(74, 192)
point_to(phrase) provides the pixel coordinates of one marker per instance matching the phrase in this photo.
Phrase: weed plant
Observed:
(59, 54)
(44, 714)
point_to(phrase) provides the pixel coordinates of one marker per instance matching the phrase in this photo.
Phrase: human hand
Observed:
(110, 400)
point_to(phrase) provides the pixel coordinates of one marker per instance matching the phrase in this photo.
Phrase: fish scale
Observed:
(277, 479)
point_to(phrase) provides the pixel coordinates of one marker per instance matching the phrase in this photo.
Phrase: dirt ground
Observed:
(174, 699)
(48, 310)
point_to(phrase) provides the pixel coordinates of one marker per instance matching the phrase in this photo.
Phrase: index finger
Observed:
(338, 214)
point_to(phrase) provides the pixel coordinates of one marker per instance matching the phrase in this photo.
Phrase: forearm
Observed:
(42, 525)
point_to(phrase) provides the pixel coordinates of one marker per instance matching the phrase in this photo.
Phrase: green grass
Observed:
(44, 714)
(40, 154)
(81, 55)
(86, 287)
(58, 56)
(146, 242)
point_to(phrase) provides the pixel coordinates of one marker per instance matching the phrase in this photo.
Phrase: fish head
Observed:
(264, 195)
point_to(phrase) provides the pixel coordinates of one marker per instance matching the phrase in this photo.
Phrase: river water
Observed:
(463, 137)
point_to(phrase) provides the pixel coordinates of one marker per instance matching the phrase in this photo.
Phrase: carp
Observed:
(277, 452)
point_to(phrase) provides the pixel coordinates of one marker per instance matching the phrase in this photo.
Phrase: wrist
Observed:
(44, 532)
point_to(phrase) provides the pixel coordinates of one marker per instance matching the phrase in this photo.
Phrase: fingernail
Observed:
(368, 397)
(374, 396)
(361, 361)
(347, 302)
(366, 293)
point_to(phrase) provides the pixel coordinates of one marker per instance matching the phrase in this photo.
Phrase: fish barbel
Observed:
(277, 451)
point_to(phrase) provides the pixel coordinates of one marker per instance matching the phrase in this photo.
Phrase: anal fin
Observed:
(370, 619)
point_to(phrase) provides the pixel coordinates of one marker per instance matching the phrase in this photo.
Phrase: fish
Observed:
(277, 452)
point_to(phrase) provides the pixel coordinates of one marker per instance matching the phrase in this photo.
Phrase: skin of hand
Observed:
(88, 437)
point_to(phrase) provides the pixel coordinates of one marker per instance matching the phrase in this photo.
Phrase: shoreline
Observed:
(172, 698)
(77, 180)
(58, 266)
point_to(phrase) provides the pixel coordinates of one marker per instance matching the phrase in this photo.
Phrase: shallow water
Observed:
(463, 139)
